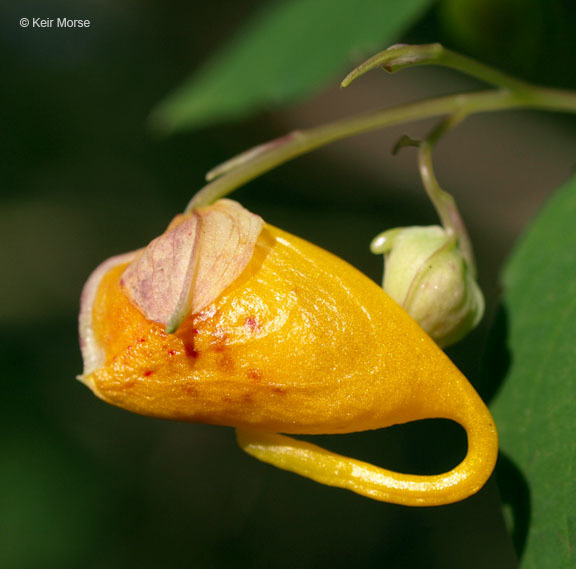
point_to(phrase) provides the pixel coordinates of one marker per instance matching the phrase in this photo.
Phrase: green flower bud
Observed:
(427, 274)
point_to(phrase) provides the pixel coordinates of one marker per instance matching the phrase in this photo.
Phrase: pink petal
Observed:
(192, 263)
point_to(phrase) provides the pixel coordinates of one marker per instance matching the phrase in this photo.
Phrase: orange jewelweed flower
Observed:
(227, 320)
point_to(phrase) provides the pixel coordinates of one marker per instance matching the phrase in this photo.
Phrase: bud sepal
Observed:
(428, 275)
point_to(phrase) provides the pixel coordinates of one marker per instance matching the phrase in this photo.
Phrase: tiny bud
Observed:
(426, 273)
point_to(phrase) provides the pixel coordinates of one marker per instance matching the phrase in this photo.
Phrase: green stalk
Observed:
(513, 94)
(401, 56)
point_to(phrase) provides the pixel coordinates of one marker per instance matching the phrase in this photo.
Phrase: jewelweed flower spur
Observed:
(227, 320)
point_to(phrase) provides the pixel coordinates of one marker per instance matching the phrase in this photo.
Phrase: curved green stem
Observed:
(445, 205)
(443, 202)
(401, 56)
(251, 164)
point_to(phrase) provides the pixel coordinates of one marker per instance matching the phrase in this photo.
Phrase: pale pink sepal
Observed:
(192, 263)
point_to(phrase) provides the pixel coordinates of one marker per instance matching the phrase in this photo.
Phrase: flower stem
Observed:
(514, 95)
(401, 56)
(445, 205)
(443, 202)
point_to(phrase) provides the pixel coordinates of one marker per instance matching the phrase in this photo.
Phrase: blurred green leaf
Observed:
(536, 409)
(496, 28)
(530, 38)
(285, 52)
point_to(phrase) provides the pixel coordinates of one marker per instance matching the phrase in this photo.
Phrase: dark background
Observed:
(83, 484)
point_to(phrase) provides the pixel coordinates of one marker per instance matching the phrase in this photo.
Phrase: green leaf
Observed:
(536, 408)
(286, 51)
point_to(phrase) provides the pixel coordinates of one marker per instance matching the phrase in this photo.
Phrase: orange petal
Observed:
(92, 352)
(300, 342)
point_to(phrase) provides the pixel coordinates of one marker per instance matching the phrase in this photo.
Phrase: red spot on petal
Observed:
(190, 389)
(226, 363)
(190, 350)
(220, 342)
(130, 382)
(252, 323)
(254, 374)
(148, 373)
